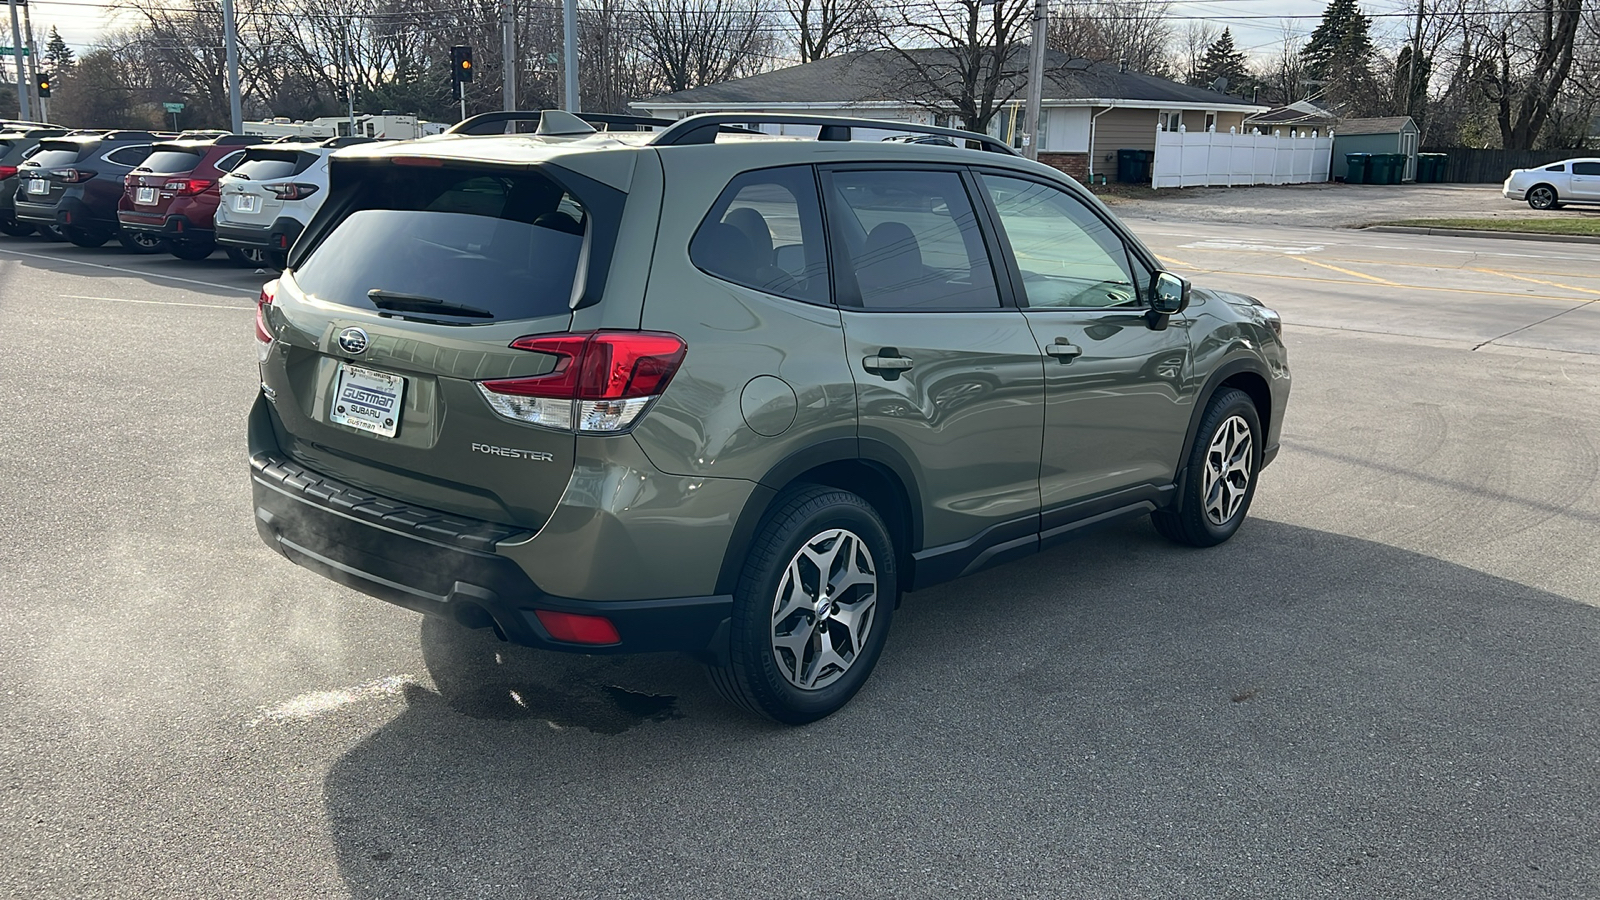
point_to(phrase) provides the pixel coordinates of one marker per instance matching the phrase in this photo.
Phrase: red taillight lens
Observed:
(263, 333)
(7, 172)
(576, 629)
(294, 191)
(602, 380)
(189, 187)
(74, 176)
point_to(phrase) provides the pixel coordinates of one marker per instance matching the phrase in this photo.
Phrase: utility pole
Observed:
(1041, 12)
(569, 24)
(33, 61)
(230, 35)
(508, 54)
(1411, 62)
(22, 74)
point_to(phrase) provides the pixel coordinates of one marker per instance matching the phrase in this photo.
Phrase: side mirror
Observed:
(1169, 295)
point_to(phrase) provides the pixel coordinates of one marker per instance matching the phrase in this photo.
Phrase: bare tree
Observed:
(691, 43)
(1530, 55)
(1198, 36)
(967, 57)
(1115, 31)
(825, 28)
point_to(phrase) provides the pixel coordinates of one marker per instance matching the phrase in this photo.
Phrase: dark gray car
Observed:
(733, 395)
(73, 183)
(16, 145)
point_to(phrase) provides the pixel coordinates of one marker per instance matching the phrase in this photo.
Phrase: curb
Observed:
(1501, 235)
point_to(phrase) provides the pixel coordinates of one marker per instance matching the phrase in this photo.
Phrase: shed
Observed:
(1390, 134)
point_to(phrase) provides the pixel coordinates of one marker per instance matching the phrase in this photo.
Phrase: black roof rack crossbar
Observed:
(494, 122)
(703, 129)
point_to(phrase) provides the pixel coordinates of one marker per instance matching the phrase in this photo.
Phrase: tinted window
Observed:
(1586, 168)
(1068, 256)
(133, 156)
(765, 232)
(504, 243)
(259, 169)
(912, 241)
(48, 158)
(227, 163)
(168, 161)
(1558, 167)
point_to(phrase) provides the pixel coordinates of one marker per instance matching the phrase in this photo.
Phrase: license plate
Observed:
(144, 195)
(245, 203)
(38, 186)
(367, 399)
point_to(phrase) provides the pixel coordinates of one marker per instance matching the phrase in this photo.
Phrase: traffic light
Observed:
(44, 84)
(460, 64)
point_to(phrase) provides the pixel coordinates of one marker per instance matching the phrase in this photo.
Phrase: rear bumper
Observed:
(280, 235)
(69, 212)
(447, 565)
(1511, 193)
(178, 228)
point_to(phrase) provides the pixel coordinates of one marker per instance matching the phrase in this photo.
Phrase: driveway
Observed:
(1328, 205)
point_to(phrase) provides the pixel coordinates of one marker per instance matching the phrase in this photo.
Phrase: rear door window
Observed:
(504, 244)
(169, 161)
(133, 156)
(1586, 168)
(765, 232)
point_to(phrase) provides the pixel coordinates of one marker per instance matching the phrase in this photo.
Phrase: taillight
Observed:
(7, 172)
(602, 381)
(578, 629)
(74, 176)
(295, 191)
(263, 333)
(189, 187)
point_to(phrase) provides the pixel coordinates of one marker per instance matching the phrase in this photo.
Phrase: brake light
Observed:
(417, 161)
(74, 176)
(602, 381)
(7, 172)
(293, 191)
(189, 187)
(578, 629)
(263, 333)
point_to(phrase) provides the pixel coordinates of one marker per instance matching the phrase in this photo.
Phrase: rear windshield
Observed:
(504, 243)
(170, 161)
(268, 167)
(50, 157)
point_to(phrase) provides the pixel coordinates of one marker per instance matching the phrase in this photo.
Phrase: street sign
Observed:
(12, 51)
(173, 107)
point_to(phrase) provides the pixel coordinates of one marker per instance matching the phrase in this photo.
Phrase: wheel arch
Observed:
(1555, 195)
(1245, 374)
(872, 471)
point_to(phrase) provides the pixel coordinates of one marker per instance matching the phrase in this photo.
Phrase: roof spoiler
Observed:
(703, 129)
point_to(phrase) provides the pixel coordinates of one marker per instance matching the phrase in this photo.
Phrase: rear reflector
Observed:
(575, 629)
(263, 333)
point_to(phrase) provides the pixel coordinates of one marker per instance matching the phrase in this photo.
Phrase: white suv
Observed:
(270, 196)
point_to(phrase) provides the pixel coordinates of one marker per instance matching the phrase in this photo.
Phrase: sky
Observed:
(82, 22)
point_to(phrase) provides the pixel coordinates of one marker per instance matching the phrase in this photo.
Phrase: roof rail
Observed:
(703, 129)
(494, 122)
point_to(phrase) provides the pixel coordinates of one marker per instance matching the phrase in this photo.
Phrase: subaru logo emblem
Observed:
(353, 341)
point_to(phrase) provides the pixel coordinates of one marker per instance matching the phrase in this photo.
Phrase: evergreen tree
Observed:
(1339, 55)
(61, 56)
(1224, 60)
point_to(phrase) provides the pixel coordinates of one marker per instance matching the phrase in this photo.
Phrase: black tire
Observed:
(278, 259)
(85, 238)
(753, 679)
(191, 250)
(50, 233)
(253, 258)
(13, 228)
(1189, 522)
(1542, 196)
(141, 241)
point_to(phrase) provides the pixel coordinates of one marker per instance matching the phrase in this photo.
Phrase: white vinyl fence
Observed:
(1198, 158)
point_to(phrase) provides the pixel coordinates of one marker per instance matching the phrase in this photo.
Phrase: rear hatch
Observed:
(165, 174)
(417, 282)
(257, 189)
(47, 174)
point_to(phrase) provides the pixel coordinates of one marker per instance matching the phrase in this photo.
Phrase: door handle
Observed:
(1063, 351)
(888, 363)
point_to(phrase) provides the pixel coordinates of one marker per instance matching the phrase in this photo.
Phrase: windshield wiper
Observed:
(416, 303)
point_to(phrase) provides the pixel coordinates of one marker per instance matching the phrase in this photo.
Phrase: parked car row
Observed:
(186, 194)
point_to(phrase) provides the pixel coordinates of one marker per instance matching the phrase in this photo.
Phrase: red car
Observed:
(174, 194)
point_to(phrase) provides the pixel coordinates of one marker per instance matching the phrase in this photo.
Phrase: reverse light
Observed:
(578, 629)
(291, 191)
(602, 381)
(263, 333)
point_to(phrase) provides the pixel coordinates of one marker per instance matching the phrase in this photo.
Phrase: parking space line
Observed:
(156, 302)
(142, 274)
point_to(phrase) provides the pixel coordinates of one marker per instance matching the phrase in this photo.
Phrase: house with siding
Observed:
(1090, 110)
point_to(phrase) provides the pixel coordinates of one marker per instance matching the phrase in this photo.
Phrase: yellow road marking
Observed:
(1345, 271)
(1408, 287)
(1178, 262)
(1565, 287)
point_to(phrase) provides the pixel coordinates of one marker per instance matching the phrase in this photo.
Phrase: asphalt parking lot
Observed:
(1384, 686)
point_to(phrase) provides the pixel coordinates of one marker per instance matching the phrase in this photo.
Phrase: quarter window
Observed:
(765, 232)
(129, 156)
(912, 241)
(1068, 256)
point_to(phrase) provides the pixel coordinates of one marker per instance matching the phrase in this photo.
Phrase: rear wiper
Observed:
(416, 303)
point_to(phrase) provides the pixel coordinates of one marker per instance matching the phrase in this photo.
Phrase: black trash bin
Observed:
(1356, 167)
(1128, 165)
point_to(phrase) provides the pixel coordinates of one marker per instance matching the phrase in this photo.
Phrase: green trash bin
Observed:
(1397, 173)
(1357, 167)
(1430, 167)
(1133, 166)
(1383, 169)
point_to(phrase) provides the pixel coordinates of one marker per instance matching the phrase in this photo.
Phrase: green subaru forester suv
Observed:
(707, 390)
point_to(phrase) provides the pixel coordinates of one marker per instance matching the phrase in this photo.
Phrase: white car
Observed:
(271, 194)
(1552, 186)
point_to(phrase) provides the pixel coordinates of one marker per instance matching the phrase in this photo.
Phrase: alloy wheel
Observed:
(1542, 198)
(1227, 470)
(824, 609)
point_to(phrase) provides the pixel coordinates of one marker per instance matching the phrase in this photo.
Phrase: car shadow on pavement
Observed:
(1294, 713)
(216, 276)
